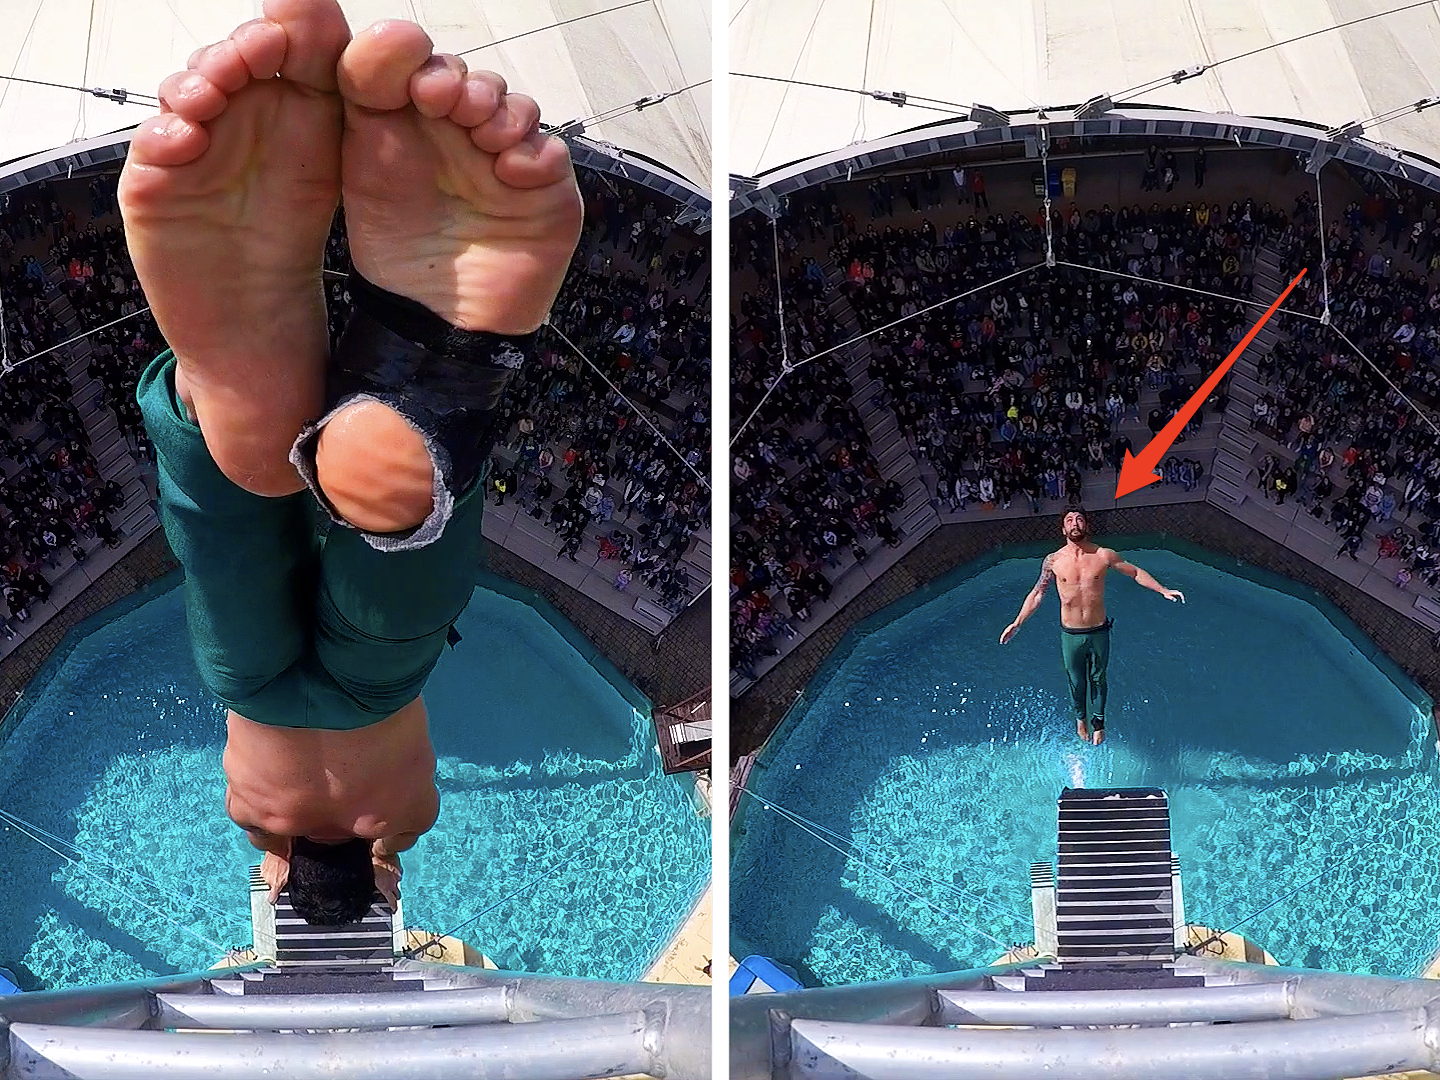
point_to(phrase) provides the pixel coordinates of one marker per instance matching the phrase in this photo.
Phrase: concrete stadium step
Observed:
(1305, 524)
(884, 428)
(867, 391)
(917, 485)
(1427, 610)
(1223, 493)
(1318, 550)
(139, 521)
(1225, 468)
(1241, 381)
(112, 457)
(905, 472)
(652, 615)
(892, 454)
(1242, 397)
(920, 521)
(135, 487)
(1235, 440)
(1260, 518)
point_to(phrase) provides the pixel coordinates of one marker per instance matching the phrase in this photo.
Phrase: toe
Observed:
(517, 117)
(376, 68)
(535, 161)
(165, 140)
(192, 96)
(437, 86)
(316, 33)
(261, 45)
(479, 98)
(223, 65)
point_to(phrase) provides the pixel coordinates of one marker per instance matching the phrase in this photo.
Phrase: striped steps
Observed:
(1114, 894)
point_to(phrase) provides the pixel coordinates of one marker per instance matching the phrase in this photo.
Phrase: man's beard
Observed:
(1078, 534)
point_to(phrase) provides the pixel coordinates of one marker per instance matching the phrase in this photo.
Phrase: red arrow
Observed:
(1138, 470)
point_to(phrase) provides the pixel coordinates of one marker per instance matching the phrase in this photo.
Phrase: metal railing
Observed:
(1275, 1022)
(457, 1022)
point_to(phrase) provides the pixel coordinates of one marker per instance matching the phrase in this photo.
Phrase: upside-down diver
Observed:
(462, 219)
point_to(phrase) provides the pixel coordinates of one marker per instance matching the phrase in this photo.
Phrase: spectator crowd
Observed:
(1354, 407)
(52, 494)
(1027, 382)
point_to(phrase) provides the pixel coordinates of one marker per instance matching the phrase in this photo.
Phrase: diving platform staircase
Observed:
(1115, 897)
(347, 1002)
(1113, 995)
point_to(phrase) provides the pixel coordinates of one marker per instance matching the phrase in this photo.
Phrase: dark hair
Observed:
(331, 884)
(1084, 514)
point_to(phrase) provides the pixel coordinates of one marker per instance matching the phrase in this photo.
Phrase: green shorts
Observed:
(1087, 656)
(293, 623)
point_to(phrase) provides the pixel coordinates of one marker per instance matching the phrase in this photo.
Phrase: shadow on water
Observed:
(539, 707)
(948, 750)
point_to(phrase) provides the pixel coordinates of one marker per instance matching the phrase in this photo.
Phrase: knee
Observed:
(375, 469)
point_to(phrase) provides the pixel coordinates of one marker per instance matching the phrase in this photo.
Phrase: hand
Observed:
(1173, 595)
(1008, 633)
(388, 873)
(275, 869)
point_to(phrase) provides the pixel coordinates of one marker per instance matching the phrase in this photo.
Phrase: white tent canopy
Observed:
(1023, 54)
(590, 67)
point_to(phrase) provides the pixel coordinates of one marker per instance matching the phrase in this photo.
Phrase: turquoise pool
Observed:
(547, 775)
(934, 757)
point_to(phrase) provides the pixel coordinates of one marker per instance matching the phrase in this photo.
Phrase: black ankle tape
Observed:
(448, 382)
(412, 320)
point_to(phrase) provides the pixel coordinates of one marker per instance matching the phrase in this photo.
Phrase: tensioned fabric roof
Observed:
(1023, 54)
(577, 71)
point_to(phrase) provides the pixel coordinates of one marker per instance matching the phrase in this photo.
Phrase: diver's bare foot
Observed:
(1083, 730)
(227, 198)
(452, 196)
(1099, 736)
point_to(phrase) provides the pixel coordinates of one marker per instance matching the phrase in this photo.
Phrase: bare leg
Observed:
(454, 199)
(1082, 729)
(227, 198)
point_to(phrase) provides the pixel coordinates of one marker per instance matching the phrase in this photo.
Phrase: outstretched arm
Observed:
(1032, 601)
(1117, 562)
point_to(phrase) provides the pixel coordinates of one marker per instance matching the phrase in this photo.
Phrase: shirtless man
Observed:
(462, 220)
(1078, 570)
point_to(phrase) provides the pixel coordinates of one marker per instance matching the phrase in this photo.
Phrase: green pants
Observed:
(1087, 655)
(291, 625)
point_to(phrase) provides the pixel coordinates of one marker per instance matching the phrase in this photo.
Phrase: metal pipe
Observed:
(1293, 1049)
(552, 1050)
(756, 1019)
(1199, 1004)
(114, 1005)
(295, 1012)
(682, 1035)
(1323, 993)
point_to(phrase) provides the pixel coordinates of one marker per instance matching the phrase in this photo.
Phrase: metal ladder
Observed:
(1114, 901)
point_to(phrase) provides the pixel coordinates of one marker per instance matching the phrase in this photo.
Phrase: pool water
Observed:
(547, 776)
(934, 756)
